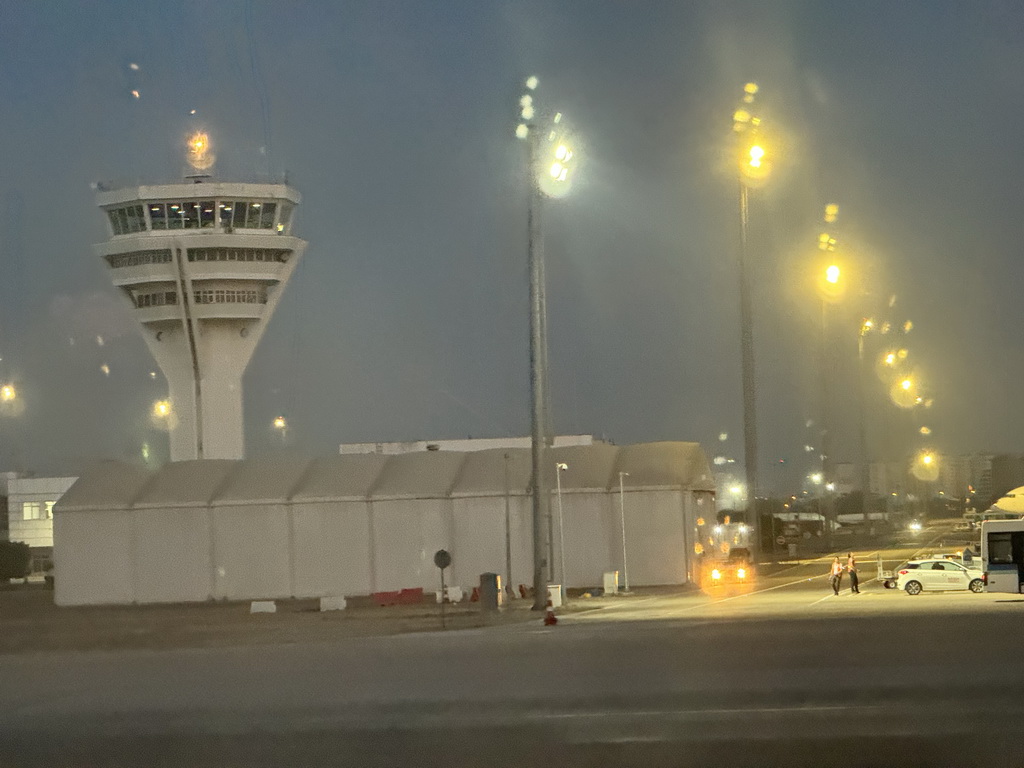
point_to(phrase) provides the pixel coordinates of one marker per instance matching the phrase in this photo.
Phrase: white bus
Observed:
(1002, 555)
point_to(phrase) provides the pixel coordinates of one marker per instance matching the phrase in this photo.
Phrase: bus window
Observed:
(1000, 548)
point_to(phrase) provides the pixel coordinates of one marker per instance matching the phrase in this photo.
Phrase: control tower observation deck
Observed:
(203, 265)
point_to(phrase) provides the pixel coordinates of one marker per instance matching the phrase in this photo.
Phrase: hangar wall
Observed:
(353, 525)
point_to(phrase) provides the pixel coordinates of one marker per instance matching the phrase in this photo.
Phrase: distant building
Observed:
(30, 503)
(460, 444)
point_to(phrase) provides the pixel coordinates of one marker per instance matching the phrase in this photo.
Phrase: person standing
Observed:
(851, 568)
(836, 576)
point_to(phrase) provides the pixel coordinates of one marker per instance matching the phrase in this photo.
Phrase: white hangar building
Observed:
(358, 524)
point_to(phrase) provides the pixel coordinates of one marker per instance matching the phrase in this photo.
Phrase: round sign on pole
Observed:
(780, 540)
(442, 559)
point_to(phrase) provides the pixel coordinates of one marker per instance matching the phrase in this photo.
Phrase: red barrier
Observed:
(400, 597)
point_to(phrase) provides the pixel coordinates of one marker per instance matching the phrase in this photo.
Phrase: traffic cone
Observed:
(549, 615)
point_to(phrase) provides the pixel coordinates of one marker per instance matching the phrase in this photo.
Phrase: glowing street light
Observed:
(552, 182)
(281, 425)
(832, 274)
(162, 409)
(754, 167)
(8, 393)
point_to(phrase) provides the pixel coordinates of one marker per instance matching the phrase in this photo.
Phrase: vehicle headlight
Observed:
(742, 573)
(716, 574)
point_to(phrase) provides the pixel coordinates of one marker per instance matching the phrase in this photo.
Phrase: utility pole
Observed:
(538, 382)
(747, 374)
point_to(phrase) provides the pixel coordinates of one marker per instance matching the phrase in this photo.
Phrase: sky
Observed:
(408, 317)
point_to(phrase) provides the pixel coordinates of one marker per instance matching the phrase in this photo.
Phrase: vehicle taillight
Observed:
(904, 572)
(716, 574)
(741, 573)
(984, 578)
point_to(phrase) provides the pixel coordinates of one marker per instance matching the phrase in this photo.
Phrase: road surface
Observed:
(785, 675)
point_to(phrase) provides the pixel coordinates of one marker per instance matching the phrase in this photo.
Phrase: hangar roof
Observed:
(108, 485)
(423, 474)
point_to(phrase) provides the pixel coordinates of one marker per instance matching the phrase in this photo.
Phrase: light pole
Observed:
(754, 166)
(560, 467)
(865, 463)
(832, 289)
(558, 172)
(622, 517)
(508, 528)
(281, 425)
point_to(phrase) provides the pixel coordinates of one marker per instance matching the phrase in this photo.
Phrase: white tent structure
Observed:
(359, 524)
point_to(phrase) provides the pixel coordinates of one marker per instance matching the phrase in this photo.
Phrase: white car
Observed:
(938, 575)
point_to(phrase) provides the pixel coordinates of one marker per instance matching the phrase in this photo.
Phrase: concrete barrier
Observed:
(263, 606)
(333, 603)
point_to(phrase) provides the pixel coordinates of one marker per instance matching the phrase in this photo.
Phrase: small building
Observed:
(364, 523)
(30, 503)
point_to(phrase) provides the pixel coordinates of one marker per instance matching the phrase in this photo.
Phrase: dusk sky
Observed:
(407, 318)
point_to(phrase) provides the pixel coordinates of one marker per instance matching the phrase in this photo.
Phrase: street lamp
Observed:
(548, 182)
(865, 462)
(281, 425)
(754, 165)
(560, 467)
(8, 393)
(622, 517)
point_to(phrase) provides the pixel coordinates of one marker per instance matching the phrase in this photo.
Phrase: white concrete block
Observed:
(455, 595)
(263, 606)
(555, 595)
(611, 582)
(333, 603)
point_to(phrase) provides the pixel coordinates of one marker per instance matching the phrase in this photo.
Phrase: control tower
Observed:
(204, 264)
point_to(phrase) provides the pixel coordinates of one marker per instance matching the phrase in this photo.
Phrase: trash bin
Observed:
(491, 597)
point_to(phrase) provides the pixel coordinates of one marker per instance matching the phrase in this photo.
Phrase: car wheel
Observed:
(913, 587)
(976, 585)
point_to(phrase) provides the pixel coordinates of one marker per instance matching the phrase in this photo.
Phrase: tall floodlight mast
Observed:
(203, 264)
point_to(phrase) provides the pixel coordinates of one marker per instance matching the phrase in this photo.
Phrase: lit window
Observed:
(158, 215)
(206, 219)
(31, 510)
(285, 217)
(175, 216)
(191, 214)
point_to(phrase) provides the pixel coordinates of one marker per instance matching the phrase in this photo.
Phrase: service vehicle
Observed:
(1002, 555)
(736, 568)
(938, 575)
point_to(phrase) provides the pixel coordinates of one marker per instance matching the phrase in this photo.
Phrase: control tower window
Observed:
(191, 210)
(267, 215)
(158, 215)
(239, 214)
(175, 216)
(136, 219)
(285, 217)
(206, 214)
(225, 214)
(252, 218)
